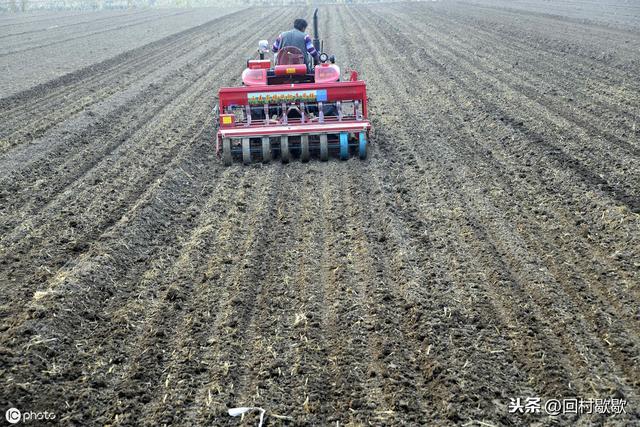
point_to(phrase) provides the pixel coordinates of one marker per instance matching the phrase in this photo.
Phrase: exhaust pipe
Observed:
(316, 36)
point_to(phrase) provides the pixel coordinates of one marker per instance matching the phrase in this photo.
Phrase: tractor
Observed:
(289, 109)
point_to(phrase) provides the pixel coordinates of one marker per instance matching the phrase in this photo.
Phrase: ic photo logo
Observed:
(13, 415)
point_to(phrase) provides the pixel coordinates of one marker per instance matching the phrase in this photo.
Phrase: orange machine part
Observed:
(290, 70)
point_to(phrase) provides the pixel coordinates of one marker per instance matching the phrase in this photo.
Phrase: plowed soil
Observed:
(488, 249)
(36, 48)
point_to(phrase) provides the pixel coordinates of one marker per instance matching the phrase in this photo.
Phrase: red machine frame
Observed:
(346, 91)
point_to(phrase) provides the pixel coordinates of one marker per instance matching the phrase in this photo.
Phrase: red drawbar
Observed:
(290, 70)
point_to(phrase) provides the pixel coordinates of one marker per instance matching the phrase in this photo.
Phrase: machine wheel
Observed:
(362, 147)
(324, 148)
(304, 148)
(226, 152)
(246, 151)
(284, 149)
(266, 149)
(344, 146)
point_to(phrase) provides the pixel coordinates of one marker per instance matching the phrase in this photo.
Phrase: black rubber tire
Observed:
(246, 151)
(285, 155)
(227, 158)
(304, 148)
(266, 149)
(363, 146)
(324, 148)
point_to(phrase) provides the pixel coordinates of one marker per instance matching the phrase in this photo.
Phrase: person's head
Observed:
(300, 24)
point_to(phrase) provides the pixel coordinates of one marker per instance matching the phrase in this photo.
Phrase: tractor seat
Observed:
(290, 55)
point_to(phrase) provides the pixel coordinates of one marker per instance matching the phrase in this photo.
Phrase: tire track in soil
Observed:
(240, 269)
(626, 361)
(245, 275)
(359, 375)
(20, 243)
(344, 343)
(344, 389)
(286, 342)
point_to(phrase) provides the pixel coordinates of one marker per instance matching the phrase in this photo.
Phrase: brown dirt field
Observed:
(488, 249)
(35, 49)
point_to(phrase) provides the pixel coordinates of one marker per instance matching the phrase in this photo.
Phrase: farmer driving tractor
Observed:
(299, 39)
